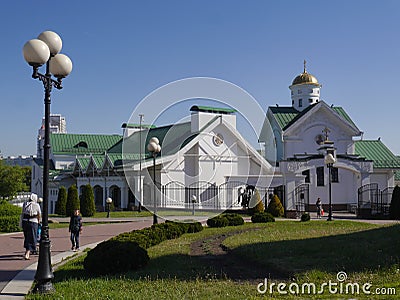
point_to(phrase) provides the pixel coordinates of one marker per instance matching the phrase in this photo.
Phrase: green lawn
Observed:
(310, 252)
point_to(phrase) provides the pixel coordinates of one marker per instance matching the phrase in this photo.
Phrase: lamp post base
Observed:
(155, 220)
(43, 288)
(44, 273)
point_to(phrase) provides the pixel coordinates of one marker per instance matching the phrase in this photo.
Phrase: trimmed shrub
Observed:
(127, 251)
(275, 207)
(88, 207)
(305, 217)
(115, 256)
(193, 227)
(187, 227)
(262, 217)
(72, 200)
(394, 209)
(256, 204)
(218, 221)
(61, 204)
(234, 219)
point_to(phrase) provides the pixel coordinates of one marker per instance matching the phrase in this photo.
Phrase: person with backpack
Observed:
(30, 220)
(75, 228)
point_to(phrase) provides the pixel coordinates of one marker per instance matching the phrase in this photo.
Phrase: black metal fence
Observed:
(302, 198)
(208, 196)
(372, 201)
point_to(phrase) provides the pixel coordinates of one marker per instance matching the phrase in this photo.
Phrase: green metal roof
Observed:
(70, 144)
(287, 115)
(341, 112)
(219, 110)
(284, 115)
(83, 162)
(135, 125)
(172, 138)
(376, 151)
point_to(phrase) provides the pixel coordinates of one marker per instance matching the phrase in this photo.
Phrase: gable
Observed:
(287, 116)
(321, 112)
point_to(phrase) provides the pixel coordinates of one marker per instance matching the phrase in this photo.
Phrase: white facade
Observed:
(300, 131)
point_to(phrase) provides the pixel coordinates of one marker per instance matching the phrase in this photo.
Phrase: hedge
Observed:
(262, 217)
(128, 249)
(225, 220)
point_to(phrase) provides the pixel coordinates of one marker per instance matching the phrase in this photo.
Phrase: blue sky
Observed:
(123, 50)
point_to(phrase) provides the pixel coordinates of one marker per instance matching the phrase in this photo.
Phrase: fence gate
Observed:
(368, 200)
(302, 196)
(386, 198)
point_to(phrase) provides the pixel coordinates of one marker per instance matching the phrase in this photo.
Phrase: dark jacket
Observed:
(75, 223)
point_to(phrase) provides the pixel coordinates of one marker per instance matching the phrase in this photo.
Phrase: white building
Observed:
(300, 131)
(208, 161)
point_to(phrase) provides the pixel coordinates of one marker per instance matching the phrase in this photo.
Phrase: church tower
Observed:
(305, 90)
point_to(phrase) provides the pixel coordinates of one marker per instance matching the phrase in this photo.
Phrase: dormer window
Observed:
(81, 144)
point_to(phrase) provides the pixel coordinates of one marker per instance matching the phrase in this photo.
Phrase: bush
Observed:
(9, 217)
(394, 209)
(275, 207)
(9, 223)
(256, 205)
(234, 219)
(115, 256)
(88, 207)
(8, 209)
(72, 200)
(61, 204)
(305, 217)
(126, 246)
(262, 217)
(218, 221)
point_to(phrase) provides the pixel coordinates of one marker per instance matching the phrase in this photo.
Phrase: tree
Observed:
(88, 207)
(61, 204)
(12, 181)
(275, 207)
(394, 209)
(72, 200)
(256, 205)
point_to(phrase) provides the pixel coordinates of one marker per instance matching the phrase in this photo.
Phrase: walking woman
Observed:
(30, 220)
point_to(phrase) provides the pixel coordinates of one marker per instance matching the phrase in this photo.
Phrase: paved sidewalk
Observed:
(17, 274)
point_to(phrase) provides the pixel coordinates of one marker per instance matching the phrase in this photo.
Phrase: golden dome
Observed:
(305, 78)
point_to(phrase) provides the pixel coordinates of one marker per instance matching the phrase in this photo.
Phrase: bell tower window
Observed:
(300, 102)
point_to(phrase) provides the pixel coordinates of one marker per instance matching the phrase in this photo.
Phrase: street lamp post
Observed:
(155, 148)
(37, 52)
(329, 161)
(140, 162)
(194, 200)
(108, 202)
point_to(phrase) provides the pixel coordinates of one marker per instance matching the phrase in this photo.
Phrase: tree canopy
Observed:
(13, 179)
